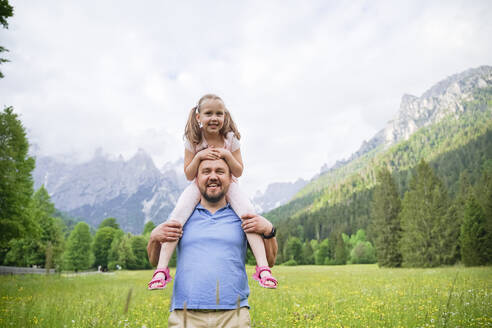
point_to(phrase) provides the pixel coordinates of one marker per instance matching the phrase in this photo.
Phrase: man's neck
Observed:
(213, 207)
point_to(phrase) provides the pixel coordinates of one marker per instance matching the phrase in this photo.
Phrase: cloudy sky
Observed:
(306, 81)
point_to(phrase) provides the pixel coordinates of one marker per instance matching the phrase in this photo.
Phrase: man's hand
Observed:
(166, 232)
(256, 224)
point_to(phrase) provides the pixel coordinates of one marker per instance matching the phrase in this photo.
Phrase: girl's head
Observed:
(211, 116)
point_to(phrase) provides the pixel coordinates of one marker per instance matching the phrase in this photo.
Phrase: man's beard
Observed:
(213, 198)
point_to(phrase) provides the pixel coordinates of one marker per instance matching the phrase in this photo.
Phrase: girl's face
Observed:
(211, 115)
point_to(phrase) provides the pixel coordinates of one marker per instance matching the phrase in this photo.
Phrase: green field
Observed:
(308, 296)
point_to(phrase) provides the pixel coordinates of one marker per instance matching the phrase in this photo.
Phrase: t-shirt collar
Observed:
(200, 207)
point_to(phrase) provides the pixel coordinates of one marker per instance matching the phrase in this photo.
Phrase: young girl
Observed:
(210, 133)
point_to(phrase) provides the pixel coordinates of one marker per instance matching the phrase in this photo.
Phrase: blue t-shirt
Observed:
(211, 253)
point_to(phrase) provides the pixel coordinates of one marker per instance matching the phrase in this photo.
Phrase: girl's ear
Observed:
(197, 116)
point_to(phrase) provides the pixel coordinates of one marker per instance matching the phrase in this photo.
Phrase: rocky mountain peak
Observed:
(442, 99)
(471, 77)
(407, 99)
(143, 158)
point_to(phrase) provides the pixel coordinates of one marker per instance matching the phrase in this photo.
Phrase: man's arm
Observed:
(271, 248)
(258, 224)
(165, 232)
(153, 251)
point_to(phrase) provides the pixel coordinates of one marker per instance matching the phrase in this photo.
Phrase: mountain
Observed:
(277, 194)
(444, 98)
(449, 125)
(133, 191)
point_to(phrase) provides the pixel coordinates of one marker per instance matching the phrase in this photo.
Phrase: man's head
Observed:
(213, 180)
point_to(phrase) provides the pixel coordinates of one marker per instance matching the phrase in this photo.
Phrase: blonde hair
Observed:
(193, 132)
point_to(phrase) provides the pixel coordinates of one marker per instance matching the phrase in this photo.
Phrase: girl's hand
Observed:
(222, 152)
(207, 153)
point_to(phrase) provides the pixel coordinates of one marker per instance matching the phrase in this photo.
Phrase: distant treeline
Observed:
(55, 242)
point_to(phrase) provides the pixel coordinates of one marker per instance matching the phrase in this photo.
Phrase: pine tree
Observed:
(385, 226)
(424, 221)
(457, 209)
(78, 253)
(451, 231)
(484, 192)
(473, 234)
(16, 186)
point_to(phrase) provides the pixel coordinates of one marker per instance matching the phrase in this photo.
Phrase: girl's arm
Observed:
(234, 160)
(192, 161)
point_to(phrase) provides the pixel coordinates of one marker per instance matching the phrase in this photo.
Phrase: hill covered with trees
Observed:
(452, 154)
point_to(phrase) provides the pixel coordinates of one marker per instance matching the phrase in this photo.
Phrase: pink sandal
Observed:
(163, 281)
(262, 281)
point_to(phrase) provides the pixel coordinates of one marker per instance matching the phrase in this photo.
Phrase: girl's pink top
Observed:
(231, 143)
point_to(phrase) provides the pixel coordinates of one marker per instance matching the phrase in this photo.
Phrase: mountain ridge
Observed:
(339, 182)
(443, 98)
(103, 187)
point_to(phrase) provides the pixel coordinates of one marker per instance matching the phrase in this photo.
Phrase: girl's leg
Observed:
(241, 205)
(182, 211)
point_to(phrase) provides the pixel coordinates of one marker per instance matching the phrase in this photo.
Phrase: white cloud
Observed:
(305, 81)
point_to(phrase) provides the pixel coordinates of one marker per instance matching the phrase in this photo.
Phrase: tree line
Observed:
(338, 249)
(50, 243)
(426, 228)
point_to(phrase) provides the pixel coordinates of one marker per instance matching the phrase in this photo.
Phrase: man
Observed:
(211, 280)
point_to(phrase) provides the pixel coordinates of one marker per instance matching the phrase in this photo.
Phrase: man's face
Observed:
(213, 179)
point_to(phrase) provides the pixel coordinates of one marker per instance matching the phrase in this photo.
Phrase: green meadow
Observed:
(308, 296)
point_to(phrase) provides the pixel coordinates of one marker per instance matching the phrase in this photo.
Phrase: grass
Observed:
(308, 296)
